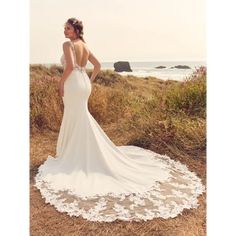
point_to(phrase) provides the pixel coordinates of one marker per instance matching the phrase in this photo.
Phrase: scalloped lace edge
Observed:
(121, 213)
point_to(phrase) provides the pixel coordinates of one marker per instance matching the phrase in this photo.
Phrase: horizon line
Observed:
(130, 61)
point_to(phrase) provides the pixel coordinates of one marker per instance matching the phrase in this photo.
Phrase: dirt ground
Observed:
(45, 220)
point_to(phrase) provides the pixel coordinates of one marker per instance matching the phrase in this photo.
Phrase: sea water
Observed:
(144, 69)
(147, 68)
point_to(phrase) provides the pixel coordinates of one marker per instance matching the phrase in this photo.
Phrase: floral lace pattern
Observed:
(164, 199)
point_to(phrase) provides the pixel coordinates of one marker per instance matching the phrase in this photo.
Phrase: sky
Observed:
(134, 30)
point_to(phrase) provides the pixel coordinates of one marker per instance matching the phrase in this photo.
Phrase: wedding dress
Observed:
(92, 177)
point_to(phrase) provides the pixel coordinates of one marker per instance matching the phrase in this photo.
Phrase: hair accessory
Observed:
(79, 21)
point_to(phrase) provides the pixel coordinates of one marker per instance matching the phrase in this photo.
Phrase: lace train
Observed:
(164, 199)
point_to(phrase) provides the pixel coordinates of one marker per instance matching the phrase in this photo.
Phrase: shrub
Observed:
(189, 96)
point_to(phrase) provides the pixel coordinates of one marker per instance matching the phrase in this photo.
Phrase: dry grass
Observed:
(148, 117)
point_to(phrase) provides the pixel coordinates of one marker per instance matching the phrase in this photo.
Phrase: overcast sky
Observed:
(134, 30)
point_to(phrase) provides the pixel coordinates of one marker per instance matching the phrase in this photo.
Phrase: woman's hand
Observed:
(61, 88)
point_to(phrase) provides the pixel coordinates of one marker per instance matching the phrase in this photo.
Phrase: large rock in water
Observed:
(181, 67)
(122, 66)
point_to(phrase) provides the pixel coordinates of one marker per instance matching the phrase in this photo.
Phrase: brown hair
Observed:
(78, 27)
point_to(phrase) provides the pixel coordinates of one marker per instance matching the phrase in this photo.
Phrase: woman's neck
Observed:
(75, 40)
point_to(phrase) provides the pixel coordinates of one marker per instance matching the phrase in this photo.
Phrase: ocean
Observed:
(144, 69)
(147, 68)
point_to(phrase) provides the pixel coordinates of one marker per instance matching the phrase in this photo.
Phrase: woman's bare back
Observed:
(81, 53)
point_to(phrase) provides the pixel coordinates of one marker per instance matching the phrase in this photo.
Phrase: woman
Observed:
(74, 31)
(91, 176)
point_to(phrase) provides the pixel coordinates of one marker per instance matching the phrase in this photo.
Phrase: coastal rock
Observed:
(122, 66)
(181, 67)
(160, 67)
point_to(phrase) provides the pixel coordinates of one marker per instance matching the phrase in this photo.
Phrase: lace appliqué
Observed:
(165, 200)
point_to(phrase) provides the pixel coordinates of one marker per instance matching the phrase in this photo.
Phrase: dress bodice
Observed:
(75, 65)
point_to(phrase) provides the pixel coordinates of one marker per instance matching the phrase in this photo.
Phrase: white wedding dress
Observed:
(92, 177)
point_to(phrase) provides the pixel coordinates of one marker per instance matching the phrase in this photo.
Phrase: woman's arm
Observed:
(97, 65)
(68, 67)
(69, 61)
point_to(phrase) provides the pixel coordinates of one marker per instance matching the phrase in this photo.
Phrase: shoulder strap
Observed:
(73, 49)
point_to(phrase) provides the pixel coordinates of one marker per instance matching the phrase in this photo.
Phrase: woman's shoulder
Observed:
(66, 43)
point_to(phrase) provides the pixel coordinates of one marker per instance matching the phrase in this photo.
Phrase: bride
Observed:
(92, 177)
